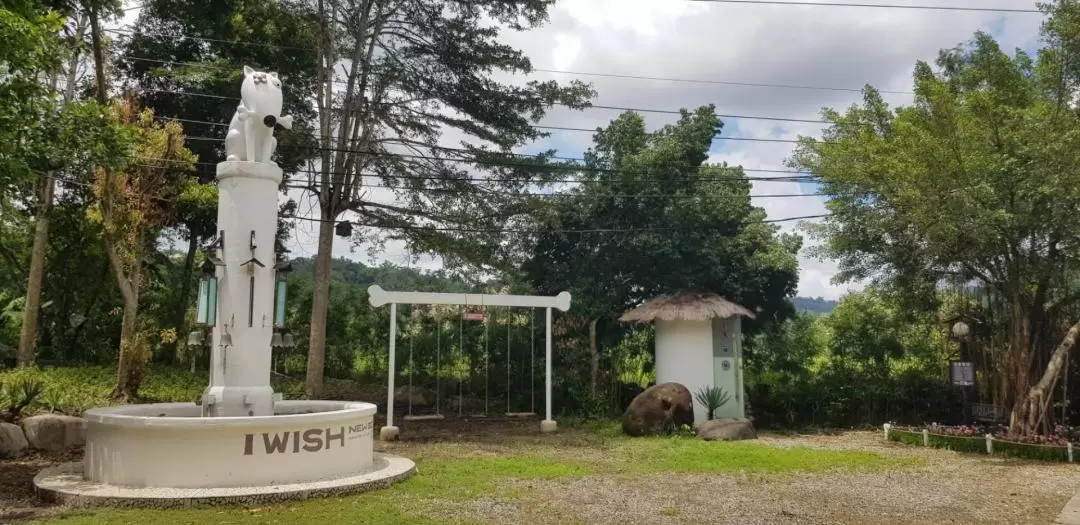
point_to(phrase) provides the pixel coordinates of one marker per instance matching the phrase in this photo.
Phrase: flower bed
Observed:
(983, 441)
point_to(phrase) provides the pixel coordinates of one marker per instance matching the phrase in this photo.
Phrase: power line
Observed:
(561, 128)
(797, 176)
(716, 82)
(539, 70)
(545, 230)
(882, 6)
(591, 106)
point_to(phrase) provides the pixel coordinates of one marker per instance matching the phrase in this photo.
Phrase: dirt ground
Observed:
(17, 499)
(948, 488)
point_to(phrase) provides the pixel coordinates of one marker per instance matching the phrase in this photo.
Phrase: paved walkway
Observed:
(1070, 515)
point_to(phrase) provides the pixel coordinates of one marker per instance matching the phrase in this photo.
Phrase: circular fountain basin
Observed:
(307, 447)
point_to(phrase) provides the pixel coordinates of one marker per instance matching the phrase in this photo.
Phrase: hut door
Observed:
(725, 366)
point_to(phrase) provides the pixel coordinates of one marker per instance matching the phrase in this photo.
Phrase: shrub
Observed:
(18, 392)
(712, 398)
(968, 439)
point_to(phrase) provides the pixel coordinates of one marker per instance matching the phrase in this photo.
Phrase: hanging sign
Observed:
(474, 316)
(988, 413)
(962, 373)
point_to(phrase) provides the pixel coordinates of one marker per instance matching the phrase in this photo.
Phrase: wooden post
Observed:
(925, 437)
(989, 444)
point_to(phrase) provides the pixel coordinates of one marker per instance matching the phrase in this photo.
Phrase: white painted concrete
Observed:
(684, 355)
(240, 373)
(172, 445)
(66, 484)
(379, 297)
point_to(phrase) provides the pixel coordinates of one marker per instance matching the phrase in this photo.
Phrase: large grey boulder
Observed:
(659, 409)
(12, 441)
(726, 429)
(54, 432)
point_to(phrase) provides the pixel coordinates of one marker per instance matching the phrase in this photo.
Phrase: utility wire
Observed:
(880, 6)
(591, 106)
(544, 230)
(715, 82)
(557, 128)
(796, 175)
(539, 70)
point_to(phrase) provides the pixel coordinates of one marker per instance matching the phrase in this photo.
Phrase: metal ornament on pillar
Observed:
(246, 280)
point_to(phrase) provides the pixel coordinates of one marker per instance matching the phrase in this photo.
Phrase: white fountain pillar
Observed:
(247, 216)
(247, 219)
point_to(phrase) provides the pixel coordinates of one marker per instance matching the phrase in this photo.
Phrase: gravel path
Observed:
(949, 488)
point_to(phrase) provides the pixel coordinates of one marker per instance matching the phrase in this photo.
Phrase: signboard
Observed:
(962, 373)
(474, 316)
(988, 413)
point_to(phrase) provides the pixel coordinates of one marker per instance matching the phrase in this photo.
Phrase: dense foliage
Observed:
(960, 206)
(973, 183)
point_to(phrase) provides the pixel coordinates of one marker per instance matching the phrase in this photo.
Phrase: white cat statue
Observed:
(251, 132)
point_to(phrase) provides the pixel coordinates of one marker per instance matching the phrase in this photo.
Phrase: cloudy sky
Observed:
(836, 47)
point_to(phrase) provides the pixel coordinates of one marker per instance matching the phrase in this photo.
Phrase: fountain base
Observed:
(167, 454)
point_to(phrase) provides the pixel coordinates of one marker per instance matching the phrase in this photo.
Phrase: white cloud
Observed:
(817, 46)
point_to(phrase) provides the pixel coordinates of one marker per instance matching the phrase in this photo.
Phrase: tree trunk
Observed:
(180, 304)
(594, 352)
(29, 331)
(1030, 412)
(134, 352)
(316, 362)
(1019, 368)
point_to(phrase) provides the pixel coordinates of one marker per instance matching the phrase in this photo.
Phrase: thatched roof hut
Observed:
(686, 306)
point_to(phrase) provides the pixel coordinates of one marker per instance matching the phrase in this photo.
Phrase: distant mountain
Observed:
(814, 305)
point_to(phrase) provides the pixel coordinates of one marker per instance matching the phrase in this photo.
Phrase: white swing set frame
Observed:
(379, 297)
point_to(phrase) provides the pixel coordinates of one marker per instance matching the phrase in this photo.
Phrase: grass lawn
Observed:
(592, 475)
(487, 471)
(499, 472)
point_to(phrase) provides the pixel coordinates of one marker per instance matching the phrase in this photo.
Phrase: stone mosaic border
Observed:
(64, 484)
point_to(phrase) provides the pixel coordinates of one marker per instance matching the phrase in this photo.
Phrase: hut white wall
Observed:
(684, 354)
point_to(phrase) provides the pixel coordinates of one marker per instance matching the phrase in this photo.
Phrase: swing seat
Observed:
(520, 414)
(424, 417)
(478, 416)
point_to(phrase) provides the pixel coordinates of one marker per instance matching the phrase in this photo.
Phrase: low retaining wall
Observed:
(171, 445)
(987, 444)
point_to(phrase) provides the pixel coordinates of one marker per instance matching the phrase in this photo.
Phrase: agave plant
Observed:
(712, 397)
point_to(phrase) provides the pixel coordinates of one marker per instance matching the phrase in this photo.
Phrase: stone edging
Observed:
(64, 484)
(1070, 515)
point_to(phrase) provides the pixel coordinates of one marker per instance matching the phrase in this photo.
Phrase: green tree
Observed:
(974, 181)
(53, 133)
(680, 224)
(394, 76)
(186, 60)
(133, 203)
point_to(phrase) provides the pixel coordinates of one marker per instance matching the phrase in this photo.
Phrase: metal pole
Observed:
(532, 360)
(487, 361)
(547, 368)
(461, 356)
(390, 380)
(412, 364)
(509, 320)
(438, 363)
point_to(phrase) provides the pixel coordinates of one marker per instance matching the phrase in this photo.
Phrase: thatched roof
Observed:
(688, 306)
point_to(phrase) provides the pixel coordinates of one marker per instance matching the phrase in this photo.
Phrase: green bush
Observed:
(1029, 451)
(978, 445)
(73, 390)
(18, 392)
